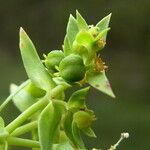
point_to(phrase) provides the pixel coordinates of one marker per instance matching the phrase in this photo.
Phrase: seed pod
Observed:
(72, 68)
(83, 119)
(53, 59)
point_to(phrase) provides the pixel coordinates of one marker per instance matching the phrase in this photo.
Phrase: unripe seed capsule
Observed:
(53, 59)
(72, 68)
(83, 119)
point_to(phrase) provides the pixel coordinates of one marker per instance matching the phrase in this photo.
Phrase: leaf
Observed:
(77, 99)
(22, 99)
(1, 122)
(72, 132)
(66, 46)
(68, 127)
(3, 133)
(104, 23)
(33, 65)
(77, 136)
(102, 34)
(82, 25)
(89, 132)
(48, 123)
(9, 98)
(4, 146)
(72, 30)
(84, 38)
(99, 81)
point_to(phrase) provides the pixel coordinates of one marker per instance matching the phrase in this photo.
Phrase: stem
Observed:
(23, 142)
(57, 90)
(13, 94)
(123, 136)
(24, 129)
(35, 137)
(26, 114)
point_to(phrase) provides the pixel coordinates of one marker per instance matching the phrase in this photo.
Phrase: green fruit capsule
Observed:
(83, 119)
(72, 68)
(53, 59)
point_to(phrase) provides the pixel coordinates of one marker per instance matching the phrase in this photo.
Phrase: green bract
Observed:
(35, 91)
(55, 122)
(53, 59)
(72, 68)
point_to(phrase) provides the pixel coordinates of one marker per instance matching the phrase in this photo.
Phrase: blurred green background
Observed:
(127, 55)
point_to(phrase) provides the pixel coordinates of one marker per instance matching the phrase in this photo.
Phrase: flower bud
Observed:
(72, 68)
(53, 59)
(94, 31)
(83, 119)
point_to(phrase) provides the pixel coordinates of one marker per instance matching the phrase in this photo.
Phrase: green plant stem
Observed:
(13, 94)
(57, 90)
(24, 129)
(26, 114)
(34, 108)
(23, 142)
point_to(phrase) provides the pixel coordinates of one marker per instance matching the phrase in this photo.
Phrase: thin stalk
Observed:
(123, 136)
(23, 142)
(57, 90)
(26, 114)
(24, 129)
(34, 108)
(8, 99)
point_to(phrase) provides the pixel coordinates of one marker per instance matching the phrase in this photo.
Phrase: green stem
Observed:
(13, 94)
(26, 114)
(24, 129)
(23, 142)
(57, 90)
(35, 137)
(34, 108)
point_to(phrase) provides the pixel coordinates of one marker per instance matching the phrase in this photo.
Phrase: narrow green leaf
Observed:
(67, 46)
(99, 81)
(1, 122)
(72, 131)
(102, 34)
(77, 136)
(32, 63)
(9, 98)
(72, 30)
(68, 127)
(4, 146)
(82, 25)
(77, 99)
(22, 99)
(104, 23)
(3, 133)
(48, 123)
(89, 132)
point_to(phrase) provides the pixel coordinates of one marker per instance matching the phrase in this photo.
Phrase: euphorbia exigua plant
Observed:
(55, 122)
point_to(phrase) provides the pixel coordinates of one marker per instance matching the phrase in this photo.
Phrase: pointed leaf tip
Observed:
(33, 64)
(82, 25)
(100, 82)
(21, 31)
